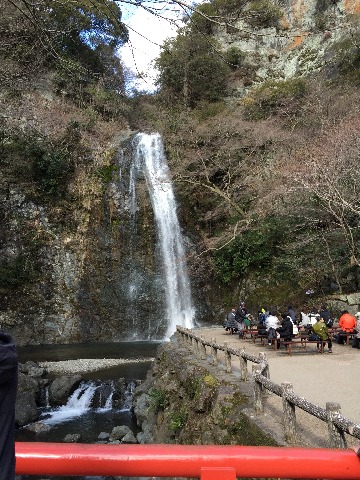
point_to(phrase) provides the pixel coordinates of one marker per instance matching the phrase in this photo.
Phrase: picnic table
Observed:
(302, 338)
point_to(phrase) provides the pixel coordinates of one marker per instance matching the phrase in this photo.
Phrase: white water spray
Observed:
(150, 158)
(79, 403)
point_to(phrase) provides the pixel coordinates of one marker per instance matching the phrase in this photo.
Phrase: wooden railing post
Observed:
(202, 348)
(181, 336)
(214, 352)
(186, 338)
(264, 361)
(227, 358)
(289, 414)
(243, 365)
(193, 342)
(258, 391)
(337, 437)
(197, 345)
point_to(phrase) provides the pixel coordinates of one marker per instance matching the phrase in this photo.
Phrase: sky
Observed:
(147, 33)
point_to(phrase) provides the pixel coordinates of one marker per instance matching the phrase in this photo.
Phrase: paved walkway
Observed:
(320, 378)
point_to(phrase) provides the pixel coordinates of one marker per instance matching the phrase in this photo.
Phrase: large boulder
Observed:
(26, 410)
(32, 369)
(123, 434)
(62, 387)
(72, 438)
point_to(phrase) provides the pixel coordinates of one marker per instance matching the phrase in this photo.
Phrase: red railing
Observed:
(207, 462)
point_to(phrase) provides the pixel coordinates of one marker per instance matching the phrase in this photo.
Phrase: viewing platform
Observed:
(318, 378)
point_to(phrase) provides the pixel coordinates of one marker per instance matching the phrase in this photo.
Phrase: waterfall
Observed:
(150, 160)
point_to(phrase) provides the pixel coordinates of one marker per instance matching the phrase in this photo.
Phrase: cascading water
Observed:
(78, 404)
(150, 160)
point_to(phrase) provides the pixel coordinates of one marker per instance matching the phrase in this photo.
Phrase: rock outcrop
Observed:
(62, 387)
(183, 402)
(284, 39)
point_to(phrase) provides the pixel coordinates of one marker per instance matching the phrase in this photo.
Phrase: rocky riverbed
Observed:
(83, 365)
(37, 389)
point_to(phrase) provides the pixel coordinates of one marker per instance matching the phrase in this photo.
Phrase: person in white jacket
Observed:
(271, 324)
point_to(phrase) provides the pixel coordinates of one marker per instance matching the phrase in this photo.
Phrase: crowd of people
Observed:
(315, 324)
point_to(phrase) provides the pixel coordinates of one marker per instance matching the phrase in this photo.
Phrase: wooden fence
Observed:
(338, 425)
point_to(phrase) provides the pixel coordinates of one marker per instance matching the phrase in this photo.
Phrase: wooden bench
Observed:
(255, 335)
(348, 335)
(247, 331)
(303, 341)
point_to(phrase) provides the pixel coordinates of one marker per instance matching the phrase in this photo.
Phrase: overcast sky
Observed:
(147, 32)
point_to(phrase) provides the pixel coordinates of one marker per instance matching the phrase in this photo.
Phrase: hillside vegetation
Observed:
(265, 168)
(267, 173)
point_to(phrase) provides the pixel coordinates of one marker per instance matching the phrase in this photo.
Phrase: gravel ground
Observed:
(87, 364)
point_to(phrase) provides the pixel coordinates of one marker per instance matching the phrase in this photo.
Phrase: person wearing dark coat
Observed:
(292, 314)
(231, 323)
(8, 390)
(286, 329)
(240, 315)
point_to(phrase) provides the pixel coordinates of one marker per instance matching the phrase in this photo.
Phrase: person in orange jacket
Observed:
(347, 323)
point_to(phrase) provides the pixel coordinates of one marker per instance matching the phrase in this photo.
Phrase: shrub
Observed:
(53, 163)
(157, 399)
(273, 95)
(50, 171)
(253, 250)
(264, 13)
(210, 381)
(234, 57)
(46, 162)
(178, 418)
(346, 58)
(228, 7)
(205, 110)
(192, 387)
(198, 23)
(106, 172)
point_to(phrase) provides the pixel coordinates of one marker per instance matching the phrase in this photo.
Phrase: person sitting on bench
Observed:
(271, 324)
(286, 329)
(321, 330)
(347, 323)
(356, 338)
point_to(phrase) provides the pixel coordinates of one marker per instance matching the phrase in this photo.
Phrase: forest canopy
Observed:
(77, 38)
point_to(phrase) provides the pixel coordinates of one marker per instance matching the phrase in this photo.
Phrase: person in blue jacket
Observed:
(8, 391)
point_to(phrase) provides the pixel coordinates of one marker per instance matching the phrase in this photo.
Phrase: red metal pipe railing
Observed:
(208, 462)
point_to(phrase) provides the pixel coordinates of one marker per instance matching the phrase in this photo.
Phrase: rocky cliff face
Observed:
(84, 268)
(66, 269)
(285, 39)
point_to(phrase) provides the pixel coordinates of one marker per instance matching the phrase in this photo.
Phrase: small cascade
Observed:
(47, 396)
(108, 403)
(104, 396)
(78, 403)
(128, 395)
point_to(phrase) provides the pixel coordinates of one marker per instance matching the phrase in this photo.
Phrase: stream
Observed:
(78, 415)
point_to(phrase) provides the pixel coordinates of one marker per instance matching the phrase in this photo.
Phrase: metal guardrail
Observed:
(206, 462)
(338, 425)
